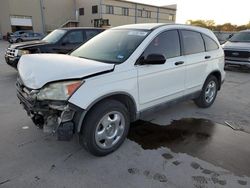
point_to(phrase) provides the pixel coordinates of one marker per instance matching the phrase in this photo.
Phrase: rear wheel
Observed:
(208, 93)
(105, 128)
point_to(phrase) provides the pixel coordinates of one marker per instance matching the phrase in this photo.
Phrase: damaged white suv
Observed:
(118, 77)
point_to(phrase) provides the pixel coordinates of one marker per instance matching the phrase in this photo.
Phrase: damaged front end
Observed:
(51, 115)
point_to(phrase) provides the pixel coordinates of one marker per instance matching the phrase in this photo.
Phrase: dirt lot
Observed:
(197, 150)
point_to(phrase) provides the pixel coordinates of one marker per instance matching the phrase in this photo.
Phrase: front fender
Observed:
(101, 86)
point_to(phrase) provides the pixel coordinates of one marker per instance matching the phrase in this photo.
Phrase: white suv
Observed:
(118, 77)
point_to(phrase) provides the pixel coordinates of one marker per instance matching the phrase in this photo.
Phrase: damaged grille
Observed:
(11, 52)
(23, 95)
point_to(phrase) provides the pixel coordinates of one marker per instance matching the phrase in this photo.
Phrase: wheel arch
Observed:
(217, 74)
(123, 97)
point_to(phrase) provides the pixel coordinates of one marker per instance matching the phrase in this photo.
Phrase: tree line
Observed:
(210, 24)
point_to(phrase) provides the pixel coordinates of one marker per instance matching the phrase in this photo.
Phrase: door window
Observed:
(210, 43)
(166, 44)
(73, 37)
(192, 42)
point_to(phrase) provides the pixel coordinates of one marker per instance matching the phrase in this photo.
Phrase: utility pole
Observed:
(135, 12)
(158, 12)
(42, 16)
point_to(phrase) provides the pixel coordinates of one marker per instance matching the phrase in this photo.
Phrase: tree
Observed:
(248, 25)
(210, 24)
(229, 27)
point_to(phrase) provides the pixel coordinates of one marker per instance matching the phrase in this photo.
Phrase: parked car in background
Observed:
(118, 77)
(237, 49)
(20, 32)
(223, 36)
(27, 36)
(60, 41)
(17, 34)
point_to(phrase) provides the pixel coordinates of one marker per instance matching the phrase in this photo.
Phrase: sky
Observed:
(221, 11)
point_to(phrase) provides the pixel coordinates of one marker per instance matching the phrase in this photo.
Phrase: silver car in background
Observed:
(25, 36)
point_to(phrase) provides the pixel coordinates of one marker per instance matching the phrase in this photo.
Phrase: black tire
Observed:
(19, 40)
(201, 100)
(87, 137)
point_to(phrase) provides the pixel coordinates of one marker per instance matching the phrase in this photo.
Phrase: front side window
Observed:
(73, 37)
(210, 43)
(94, 9)
(192, 42)
(166, 44)
(54, 36)
(109, 9)
(111, 46)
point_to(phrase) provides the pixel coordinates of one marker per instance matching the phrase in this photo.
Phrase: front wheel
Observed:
(105, 128)
(208, 93)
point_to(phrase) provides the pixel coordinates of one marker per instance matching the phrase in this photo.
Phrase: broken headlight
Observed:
(59, 91)
(22, 52)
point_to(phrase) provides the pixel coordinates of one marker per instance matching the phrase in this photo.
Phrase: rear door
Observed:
(195, 60)
(161, 83)
(201, 52)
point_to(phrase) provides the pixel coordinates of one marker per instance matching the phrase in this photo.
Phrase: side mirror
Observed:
(230, 36)
(153, 59)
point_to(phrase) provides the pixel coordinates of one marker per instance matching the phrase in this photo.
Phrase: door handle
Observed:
(207, 57)
(179, 63)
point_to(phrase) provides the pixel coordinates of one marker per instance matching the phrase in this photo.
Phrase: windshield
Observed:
(241, 37)
(111, 46)
(54, 36)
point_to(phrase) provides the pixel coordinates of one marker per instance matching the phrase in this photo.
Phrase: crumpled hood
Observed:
(237, 45)
(36, 70)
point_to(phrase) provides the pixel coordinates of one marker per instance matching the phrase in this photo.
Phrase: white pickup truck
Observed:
(116, 78)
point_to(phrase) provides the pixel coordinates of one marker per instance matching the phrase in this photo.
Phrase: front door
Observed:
(161, 83)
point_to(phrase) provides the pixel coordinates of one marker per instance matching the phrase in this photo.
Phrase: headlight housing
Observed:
(22, 52)
(59, 91)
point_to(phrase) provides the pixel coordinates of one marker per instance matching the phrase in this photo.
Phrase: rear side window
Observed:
(192, 42)
(210, 43)
(166, 43)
